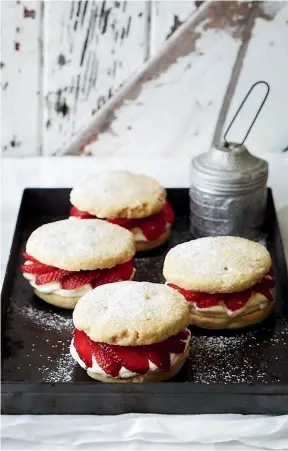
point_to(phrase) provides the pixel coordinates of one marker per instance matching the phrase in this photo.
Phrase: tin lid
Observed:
(227, 169)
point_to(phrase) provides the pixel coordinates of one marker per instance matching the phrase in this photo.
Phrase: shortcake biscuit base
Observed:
(131, 313)
(84, 244)
(142, 246)
(119, 194)
(217, 264)
(236, 322)
(58, 301)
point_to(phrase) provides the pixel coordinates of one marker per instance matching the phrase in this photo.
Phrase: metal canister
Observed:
(228, 193)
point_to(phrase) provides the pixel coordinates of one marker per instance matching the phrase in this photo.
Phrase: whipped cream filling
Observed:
(138, 234)
(123, 373)
(55, 286)
(257, 301)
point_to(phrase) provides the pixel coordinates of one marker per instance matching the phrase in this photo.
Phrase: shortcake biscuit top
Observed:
(119, 194)
(223, 264)
(131, 313)
(83, 244)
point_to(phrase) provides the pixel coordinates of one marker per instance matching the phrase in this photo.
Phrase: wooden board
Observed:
(173, 107)
(20, 78)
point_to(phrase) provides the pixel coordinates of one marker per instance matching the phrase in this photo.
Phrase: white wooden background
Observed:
(62, 60)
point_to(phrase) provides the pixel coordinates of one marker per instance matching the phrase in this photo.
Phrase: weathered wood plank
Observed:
(166, 17)
(266, 59)
(174, 106)
(91, 47)
(20, 78)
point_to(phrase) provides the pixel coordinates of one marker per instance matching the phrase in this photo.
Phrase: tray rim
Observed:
(74, 389)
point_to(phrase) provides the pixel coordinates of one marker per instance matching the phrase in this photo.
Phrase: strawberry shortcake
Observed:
(66, 259)
(134, 201)
(131, 332)
(227, 281)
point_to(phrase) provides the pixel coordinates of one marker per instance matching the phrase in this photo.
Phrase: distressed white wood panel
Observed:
(91, 47)
(266, 59)
(174, 108)
(20, 78)
(166, 17)
(176, 111)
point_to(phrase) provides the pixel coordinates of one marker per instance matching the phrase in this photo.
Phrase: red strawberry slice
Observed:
(116, 274)
(208, 300)
(80, 214)
(132, 358)
(160, 358)
(78, 279)
(123, 222)
(189, 295)
(82, 346)
(56, 274)
(235, 301)
(106, 358)
(270, 272)
(168, 213)
(29, 258)
(37, 268)
(183, 335)
(264, 287)
(173, 344)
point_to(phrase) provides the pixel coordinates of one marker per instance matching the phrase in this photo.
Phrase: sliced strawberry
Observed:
(123, 222)
(116, 274)
(175, 344)
(168, 213)
(82, 346)
(78, 279)
(235, 301)
(160, 358)
(80, 214)
(264, 287)
(56, 274)
(183, 335)
(208, 300)
(106, 358)
(38, 268)
(132, 358)
(29, 258)
(189, 295)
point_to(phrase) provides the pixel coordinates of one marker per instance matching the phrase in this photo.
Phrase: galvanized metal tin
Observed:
(228, 193)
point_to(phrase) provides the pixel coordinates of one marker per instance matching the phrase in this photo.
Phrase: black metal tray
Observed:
(234, 372)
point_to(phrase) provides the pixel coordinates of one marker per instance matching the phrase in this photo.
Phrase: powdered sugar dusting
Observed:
(216, 263)
(63, 370)
(129, 305)
(240, 358)
(44, 319)
(74, 245)
(117, 193)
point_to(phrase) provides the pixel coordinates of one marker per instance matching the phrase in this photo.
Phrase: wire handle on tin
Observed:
(257, 114)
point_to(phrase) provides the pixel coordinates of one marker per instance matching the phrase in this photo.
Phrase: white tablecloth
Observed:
(132, 431)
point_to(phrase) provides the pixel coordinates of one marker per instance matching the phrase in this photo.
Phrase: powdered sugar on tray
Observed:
(63, 371)
(240, 358)
(45, 319)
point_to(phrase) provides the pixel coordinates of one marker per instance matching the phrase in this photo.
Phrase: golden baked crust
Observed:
(131, 313)
(223, 264)
(150, 377)
(148, 245)
(85, 244)
(58, 301)
(237, 322)
(119, 194)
